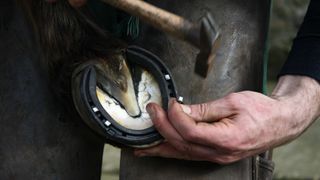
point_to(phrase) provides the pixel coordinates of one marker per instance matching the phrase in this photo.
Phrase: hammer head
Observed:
(208, 44)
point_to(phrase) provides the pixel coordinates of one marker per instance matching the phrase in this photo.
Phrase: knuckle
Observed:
(191, 136)
(232, 99)
(232, 96)
(231, 145)
(236, 100)
(203, 110)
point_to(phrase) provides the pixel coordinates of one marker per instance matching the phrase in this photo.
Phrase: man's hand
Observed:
(237, 126)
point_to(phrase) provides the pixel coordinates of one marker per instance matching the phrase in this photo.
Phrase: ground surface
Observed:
(301, 158)
(111, 163)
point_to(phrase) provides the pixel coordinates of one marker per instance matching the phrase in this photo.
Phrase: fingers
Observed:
(164, 150)
(186, 150)
(209, 112)
(202, 133)
(197, 153)
(192, 140)
(181, 128)
(161, 123)
(189, 152)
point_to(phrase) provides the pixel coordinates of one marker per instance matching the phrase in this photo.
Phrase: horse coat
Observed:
(41, 139)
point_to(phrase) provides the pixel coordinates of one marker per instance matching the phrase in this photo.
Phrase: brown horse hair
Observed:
(68, 37)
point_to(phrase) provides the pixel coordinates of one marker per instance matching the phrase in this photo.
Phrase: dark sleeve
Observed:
(304, 57)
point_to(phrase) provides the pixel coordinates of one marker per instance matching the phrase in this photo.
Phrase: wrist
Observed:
(290, 86)
(299, 100)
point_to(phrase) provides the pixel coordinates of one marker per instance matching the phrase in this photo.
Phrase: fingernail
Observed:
(151, 111)
(186, 109)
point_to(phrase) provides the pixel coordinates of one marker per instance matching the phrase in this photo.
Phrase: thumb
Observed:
(208, 112)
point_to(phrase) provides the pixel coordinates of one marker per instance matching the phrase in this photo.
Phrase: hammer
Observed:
(203, 34)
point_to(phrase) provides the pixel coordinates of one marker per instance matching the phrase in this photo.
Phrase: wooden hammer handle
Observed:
(158, 18)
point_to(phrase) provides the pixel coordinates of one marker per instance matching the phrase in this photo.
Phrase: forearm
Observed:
(299, 97)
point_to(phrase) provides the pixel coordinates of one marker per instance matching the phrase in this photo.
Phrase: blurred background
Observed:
(299, 159)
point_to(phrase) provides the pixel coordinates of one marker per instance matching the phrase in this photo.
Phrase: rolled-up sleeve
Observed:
(304, 57)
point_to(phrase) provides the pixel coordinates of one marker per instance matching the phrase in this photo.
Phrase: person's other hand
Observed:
(238, 125)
